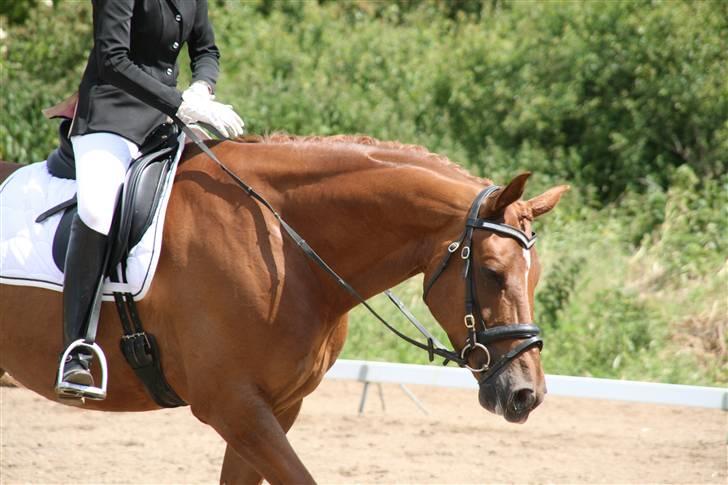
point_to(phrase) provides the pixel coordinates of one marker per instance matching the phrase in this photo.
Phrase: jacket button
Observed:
(175, 46)
(169, 71)
(178, 18)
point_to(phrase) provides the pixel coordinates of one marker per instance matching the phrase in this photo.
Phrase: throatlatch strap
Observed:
(452, 248)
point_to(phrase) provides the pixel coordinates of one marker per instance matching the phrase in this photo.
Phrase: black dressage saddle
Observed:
(138, 200)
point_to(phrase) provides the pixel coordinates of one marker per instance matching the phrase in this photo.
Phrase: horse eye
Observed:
(493, 276)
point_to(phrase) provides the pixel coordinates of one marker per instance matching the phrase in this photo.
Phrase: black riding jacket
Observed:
(129, 85)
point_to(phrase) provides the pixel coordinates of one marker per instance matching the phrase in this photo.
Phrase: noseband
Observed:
(479, 335)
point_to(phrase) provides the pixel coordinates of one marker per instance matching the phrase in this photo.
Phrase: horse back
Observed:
(6, 168)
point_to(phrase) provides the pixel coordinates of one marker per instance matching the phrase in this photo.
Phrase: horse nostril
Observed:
(523, 400)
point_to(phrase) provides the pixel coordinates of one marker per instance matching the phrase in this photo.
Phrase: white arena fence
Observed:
(586, 387)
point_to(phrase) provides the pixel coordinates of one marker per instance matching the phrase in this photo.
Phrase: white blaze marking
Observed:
(527, 257)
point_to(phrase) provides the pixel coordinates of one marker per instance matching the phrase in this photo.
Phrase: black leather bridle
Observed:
(528, 333)
(477, 339)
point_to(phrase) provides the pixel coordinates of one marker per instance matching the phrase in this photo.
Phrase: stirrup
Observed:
(70, 390)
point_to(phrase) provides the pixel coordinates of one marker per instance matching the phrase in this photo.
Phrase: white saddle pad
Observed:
(26, 257)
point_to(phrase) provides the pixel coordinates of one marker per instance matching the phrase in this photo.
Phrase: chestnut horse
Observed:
(248, 326)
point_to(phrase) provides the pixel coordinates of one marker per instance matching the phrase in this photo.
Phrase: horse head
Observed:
(495, 273)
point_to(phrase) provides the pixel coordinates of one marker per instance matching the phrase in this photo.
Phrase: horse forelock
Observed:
(433, 161)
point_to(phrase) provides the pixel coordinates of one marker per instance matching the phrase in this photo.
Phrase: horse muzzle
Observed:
(513, 393)
(515, 406)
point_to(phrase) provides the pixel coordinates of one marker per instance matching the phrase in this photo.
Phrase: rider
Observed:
(127, 90)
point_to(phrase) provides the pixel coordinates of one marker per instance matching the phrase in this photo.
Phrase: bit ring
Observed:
(469, 348)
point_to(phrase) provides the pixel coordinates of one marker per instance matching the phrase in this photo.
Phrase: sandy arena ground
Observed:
(564, 441)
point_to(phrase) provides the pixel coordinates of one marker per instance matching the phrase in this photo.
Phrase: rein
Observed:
(476, 339)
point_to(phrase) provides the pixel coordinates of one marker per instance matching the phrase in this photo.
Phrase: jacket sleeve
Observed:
(204, 54)
(112, 30)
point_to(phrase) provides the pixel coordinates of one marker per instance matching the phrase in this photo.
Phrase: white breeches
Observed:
(101, 163)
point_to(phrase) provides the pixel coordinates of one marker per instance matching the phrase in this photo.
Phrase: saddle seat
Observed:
(138, 200)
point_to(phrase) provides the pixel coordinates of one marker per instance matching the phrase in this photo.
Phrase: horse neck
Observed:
(375, 222)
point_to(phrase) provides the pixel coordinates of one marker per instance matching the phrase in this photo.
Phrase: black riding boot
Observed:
(82, 275)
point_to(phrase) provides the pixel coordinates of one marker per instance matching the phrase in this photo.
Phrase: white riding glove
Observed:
(198, 105)
(199, 88)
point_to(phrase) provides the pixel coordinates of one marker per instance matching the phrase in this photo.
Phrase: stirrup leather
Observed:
(70, 390)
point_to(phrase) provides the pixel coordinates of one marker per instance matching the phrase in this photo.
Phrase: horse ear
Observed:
(511, 193)
(543, 203)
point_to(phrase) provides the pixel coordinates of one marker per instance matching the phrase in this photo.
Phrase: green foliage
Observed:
(603, 336)
(41, 63)
(18, 11)
(627, 101)
(556, 291)
(606, 285)
(693, 238)
(611, 92)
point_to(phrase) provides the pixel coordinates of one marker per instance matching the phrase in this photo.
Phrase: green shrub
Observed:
(606, 335)
(555, 292)
(41, 62)
(693, 237)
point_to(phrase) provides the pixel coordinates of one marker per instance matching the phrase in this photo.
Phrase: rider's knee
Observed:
(95, 219)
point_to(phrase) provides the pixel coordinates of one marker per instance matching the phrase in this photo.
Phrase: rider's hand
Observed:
(198, 105)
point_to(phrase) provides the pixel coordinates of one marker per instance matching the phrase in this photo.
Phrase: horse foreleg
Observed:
(249, 426)
(236, 470)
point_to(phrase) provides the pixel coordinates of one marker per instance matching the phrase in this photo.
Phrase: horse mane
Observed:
(365, 141)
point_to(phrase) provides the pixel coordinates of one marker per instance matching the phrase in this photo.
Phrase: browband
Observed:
(505, 230)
